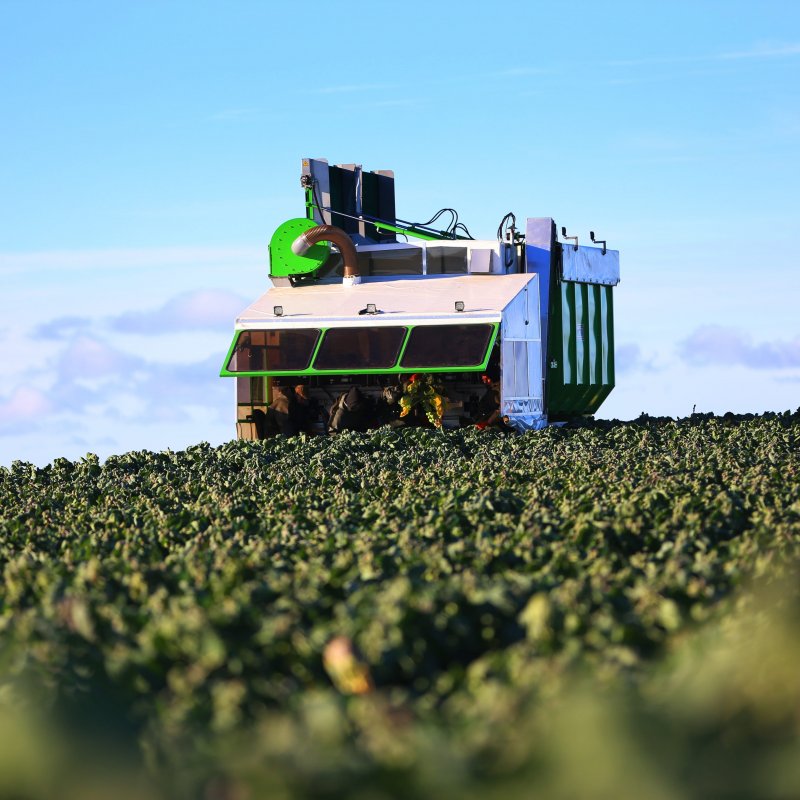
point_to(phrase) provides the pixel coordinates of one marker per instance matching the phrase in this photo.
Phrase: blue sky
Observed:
(150, 149)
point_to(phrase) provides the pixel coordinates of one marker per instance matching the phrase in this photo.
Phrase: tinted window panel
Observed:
(396, 261)
(447, 260)
(273, 351)
(378, 262)
(360, 348)
(447, 346)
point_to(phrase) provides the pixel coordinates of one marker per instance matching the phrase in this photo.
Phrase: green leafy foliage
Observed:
(570, 611)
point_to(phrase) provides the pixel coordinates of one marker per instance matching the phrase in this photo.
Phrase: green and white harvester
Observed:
(362, 298)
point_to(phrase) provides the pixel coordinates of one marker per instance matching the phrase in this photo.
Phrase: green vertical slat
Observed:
(586, 293)
(594, 336)
(589, 347)
(589, 333)
(579, 331)
(610, 336)
(597, 336)
(578, 326)
(589, 385)
(568, 331)
(602, 328)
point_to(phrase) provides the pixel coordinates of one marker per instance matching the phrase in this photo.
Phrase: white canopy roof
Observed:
(414, 300)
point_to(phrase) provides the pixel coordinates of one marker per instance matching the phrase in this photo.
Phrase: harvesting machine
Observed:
(360, 297)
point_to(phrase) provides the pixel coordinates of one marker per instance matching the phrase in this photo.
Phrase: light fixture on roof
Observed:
(370, 308)
(459, 305)
(277, 311)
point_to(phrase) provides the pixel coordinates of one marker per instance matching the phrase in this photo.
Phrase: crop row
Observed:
(179, 606)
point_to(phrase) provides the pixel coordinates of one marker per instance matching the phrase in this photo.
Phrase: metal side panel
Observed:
(590, 265)
(580, 371)
(540, 243)
(521, 389)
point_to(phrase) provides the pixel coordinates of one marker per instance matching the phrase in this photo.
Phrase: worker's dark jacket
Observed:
(281, 417)
(351, 411)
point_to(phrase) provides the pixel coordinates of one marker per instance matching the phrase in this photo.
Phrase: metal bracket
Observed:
(598, 241)
(564, 236)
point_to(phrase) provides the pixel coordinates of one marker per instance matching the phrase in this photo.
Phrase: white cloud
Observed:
(126, 376)
(175, 391)
(715, 344)
(26, 404)
(86, 357)
(89, 380)
(62, 328)
(629, 358)
(131, 258)
(95, 377)
(764, 50)
(205, 308)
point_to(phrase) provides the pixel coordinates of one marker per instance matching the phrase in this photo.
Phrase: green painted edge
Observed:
(405, 344)
(395, 370)
(481, 366)
(410, 231)
(310, 206)
(320, 336)
(285, 263)
(224, 372)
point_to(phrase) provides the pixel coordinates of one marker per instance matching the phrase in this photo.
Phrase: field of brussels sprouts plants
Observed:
(611, 610)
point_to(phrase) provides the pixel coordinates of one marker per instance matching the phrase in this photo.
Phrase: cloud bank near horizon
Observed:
(210, 309)
(91, 376)
(202, 309)
(717, 344)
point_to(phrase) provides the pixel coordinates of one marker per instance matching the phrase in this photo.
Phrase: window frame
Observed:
(347, 371)
(470, 367)
(395, 369)
(255, 373)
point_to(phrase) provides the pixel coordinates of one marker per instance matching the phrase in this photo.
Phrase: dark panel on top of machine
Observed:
(377, 200)
(343, 198)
